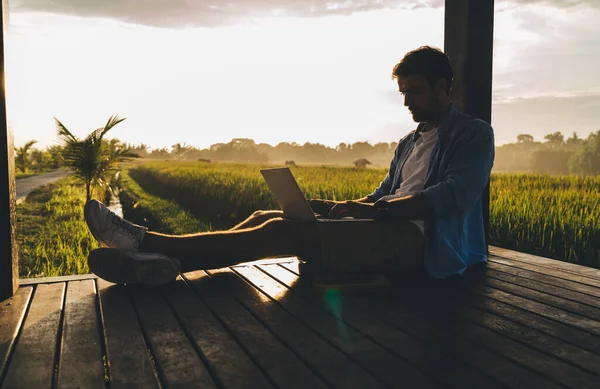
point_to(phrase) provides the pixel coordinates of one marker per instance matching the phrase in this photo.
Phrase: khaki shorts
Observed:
(350, 246)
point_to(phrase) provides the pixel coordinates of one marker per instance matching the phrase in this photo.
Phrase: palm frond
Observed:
(112, 121)
(64, 133)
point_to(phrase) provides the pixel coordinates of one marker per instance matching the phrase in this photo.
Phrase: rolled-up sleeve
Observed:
(467, 172)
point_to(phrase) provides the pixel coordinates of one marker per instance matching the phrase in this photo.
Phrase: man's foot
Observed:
(125, 267)
(111, 230)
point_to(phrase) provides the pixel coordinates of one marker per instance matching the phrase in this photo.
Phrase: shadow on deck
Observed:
(518, 321)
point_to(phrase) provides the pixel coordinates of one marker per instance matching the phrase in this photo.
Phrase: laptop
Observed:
(291, 199)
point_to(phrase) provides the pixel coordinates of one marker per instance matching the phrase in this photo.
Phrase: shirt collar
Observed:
(444, 126)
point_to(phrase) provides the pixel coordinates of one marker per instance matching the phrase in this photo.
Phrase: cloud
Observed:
(209, 13)
(554, 3)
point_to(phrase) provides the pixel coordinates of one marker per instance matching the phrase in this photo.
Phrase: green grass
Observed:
(52, 235)
(156, 213)
(556, 217)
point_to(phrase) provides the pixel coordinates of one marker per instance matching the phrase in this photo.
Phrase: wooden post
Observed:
(9, 263)
(468, 41)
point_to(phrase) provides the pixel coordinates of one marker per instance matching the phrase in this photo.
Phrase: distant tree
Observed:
(555, 139)
(92, 158)
(524, 138)
(551, 161)
(159, 153)
(22, 158)
(574, 142)
(361, 163)
(56, 156)
(586, 160)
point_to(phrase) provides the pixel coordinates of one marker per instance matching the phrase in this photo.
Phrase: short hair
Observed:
(429, 62)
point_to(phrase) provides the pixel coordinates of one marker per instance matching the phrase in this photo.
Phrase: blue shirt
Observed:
(459, 170)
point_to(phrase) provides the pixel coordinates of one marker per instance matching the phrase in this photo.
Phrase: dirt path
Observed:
(26, 185)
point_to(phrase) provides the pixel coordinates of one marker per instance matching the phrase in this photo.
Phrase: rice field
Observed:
(556, 217)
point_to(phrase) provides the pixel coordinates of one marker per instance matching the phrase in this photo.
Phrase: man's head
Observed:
(425, 79)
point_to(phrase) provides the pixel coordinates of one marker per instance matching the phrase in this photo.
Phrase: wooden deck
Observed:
(518, 322)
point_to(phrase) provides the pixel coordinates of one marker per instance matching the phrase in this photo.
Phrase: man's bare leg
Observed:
(258, 218)
(276, 237)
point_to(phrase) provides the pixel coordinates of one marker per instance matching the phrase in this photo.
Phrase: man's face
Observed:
(419, 97)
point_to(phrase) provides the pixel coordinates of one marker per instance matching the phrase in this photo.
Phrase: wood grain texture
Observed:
(81, 364)
(12, 313)
(178, 363)
(129, 362)
(324, 349)
(50, 280)
(496, 271)
(282, 365)
(545, 262)
(402, 349)
(32, 365)
(232, 367)
(557, 273)
(467, 352)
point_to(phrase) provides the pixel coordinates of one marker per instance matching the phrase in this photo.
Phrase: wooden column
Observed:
(468, 41)
(9, 263)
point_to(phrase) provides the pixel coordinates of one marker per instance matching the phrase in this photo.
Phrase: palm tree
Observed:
(22, 155)
(92, 158)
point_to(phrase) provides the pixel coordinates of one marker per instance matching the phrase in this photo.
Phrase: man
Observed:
(427, 210)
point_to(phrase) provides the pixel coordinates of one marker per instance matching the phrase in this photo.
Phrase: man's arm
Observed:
(407, 207)
(467, 173)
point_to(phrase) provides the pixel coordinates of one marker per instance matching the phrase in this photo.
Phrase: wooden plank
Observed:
(428, 300)
(544, 278)
(534, 338)
(283, 367)
(32, 364)
(494, 272)
(12, 313)
(9, 257)
(436, 305)
(559, 302)
(232, 367)
(548, 271)
(556, 329)
(81, 364)
(559, 315)
(177, 361)
(468, 352)
(336, 350)
(128, 360)
(449, 371)
(50, 280)
(545, 262)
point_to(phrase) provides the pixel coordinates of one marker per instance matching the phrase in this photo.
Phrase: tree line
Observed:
(554, 155)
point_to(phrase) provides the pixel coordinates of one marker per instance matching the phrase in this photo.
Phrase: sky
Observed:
(319, 71)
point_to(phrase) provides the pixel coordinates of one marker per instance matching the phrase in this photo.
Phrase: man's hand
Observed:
(321, 207)
(353, 209)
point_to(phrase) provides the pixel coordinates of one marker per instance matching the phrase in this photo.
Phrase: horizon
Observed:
(183, 77)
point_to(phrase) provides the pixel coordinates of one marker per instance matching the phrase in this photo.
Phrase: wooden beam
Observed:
(9, 264)
(468, 41)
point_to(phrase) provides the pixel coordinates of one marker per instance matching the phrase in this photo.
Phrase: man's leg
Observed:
(273, 238)
(258, 218)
